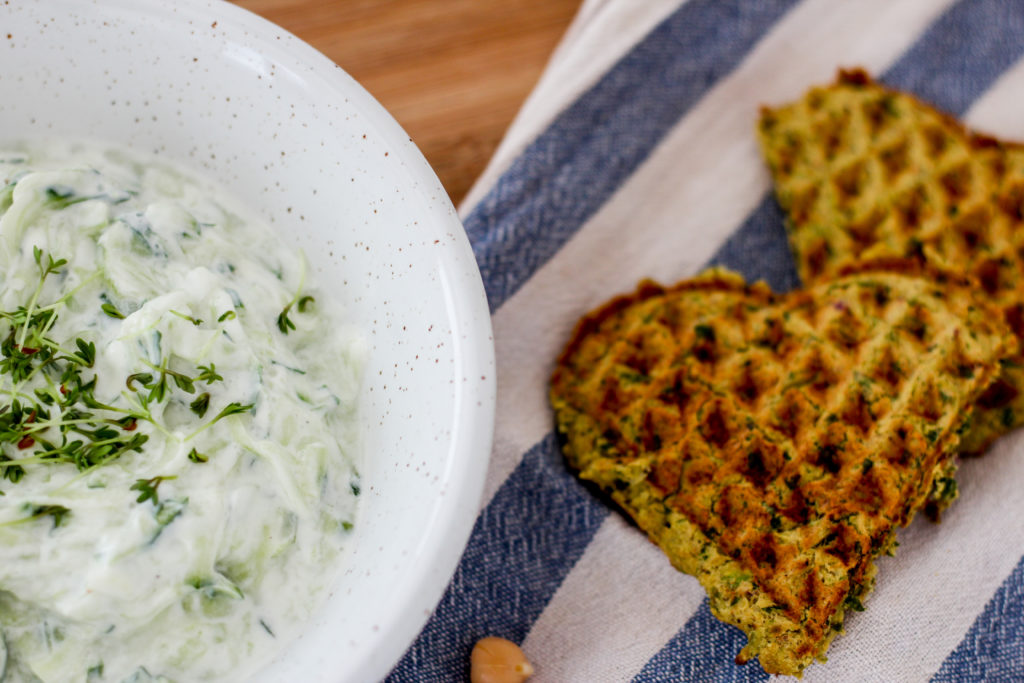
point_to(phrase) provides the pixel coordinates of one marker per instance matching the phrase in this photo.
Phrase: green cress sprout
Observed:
(60, 420)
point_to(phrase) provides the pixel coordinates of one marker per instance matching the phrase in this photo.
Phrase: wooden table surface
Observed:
(452, 72)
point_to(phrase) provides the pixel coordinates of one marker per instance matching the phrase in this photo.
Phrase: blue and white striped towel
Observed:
(636, 157)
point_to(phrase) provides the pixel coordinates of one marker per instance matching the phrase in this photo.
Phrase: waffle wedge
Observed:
(772, 444)
(863, 171)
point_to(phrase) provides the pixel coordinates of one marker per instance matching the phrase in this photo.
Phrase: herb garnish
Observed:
(147, 489)
(58, 512)
(208, 374)
(284, 323)
(66, 402)
(59, 419)
(158, 386)
(195, 321)
(111, 310)
(232, 408)
(201, 404)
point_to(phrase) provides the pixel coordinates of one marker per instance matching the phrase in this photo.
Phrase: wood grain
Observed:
(452, 72)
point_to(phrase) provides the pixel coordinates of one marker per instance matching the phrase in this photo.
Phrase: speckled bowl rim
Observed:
(467, 470)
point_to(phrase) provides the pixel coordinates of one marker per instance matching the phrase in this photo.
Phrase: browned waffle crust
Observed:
(864, 171)
(771, 445)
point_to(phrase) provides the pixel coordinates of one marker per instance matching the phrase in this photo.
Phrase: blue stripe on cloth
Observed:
(962, 53)
(993, 650)
(586, 154)
(965, 50)
(713, 663)
(759, 250)
(522, 546)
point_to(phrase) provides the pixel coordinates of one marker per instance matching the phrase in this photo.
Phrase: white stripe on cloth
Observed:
(595, 610)
(999, 110)
(601, 32)
(943, 576)
(676, 210)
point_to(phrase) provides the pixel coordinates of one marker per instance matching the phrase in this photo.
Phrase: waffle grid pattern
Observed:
(772, 444)
(864, 172)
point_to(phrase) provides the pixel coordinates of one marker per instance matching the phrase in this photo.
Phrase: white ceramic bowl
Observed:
(286, 130)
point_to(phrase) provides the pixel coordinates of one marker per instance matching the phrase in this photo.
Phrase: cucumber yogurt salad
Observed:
(177, 426)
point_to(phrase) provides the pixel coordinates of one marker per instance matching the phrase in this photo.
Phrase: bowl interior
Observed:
(279, 126)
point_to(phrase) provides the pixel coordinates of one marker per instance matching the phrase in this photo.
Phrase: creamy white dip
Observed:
(141, 537)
